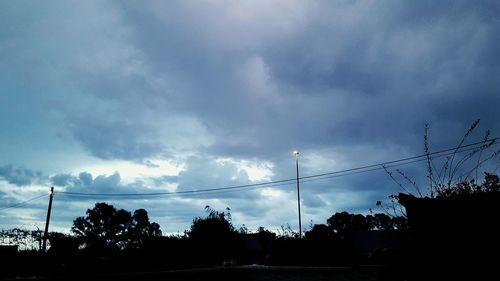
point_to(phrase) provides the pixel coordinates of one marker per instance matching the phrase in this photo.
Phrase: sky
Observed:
(141, 97)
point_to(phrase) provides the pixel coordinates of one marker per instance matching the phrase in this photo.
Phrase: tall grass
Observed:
(462, 166)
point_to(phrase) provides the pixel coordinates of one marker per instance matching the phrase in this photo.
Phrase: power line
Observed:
(390, 164)
(217, 189)
(24, 202)
(408, 159)
(345, 172)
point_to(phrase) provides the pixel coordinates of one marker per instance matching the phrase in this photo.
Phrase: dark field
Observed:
(236, 273)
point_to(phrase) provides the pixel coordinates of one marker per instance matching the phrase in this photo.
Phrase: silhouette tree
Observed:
(106, 229)
(216, 226)
(343, 222)
(142, 229)
(213, 237)
(319, 232)
(380, 221)
(339, 222)
(24, 239)
(400, 223)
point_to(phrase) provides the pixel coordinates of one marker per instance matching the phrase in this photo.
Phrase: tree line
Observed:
(107, 229)
(104, 228)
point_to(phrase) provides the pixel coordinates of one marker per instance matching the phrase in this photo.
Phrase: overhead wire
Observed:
(23, 202)
(182, 192)
(389, 164)
(309, 178)
(345, 172)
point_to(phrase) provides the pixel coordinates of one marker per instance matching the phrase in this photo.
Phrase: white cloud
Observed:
(255, 170)
(131, 172)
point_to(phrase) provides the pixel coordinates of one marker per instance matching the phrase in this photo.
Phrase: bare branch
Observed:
(471, 129)
(430, 174)
(394, 179)
(413, 183)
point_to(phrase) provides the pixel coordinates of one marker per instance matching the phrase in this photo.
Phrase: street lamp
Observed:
(296, 154)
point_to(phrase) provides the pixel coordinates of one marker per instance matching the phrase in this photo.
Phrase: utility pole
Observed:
(46, 233)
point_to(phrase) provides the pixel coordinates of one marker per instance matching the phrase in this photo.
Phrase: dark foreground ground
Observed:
(240, 273)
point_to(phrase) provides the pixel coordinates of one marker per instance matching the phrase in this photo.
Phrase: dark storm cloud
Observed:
(334, 73)
(348, 83)
(420, 69)
(262, 82)
(89, 184)
(21, 176)
(86, 183)
(84, 179)
(346, 72)
(62, 179)
(117, 139)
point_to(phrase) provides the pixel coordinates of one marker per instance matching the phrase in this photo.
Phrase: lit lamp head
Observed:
(296, 153)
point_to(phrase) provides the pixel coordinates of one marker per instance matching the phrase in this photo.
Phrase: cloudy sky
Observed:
(143, 97)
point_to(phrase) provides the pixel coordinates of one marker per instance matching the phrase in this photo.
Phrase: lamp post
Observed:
(296, 154)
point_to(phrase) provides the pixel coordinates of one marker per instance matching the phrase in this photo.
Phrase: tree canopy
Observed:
(106, 228)
(217, 225)
(343, 222)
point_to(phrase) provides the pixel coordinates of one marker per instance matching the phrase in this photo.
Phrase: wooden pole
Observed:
(46, 233)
